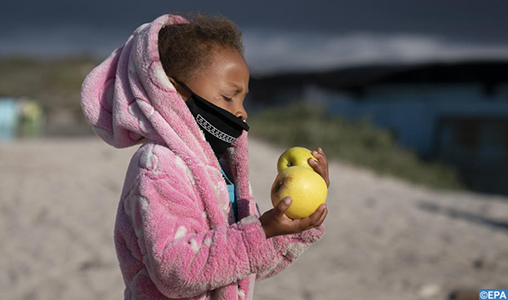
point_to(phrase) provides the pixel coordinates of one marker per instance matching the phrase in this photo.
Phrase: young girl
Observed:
(187, 226)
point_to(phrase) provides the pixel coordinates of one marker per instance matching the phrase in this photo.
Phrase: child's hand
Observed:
(275, 222)
(320, 166)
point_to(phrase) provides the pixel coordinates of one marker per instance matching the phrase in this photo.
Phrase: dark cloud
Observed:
(279, 35)
(466, 20)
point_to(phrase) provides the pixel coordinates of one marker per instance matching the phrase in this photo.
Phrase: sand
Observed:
(385, 238)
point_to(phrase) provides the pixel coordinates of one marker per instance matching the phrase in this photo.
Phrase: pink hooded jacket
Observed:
(175, 233)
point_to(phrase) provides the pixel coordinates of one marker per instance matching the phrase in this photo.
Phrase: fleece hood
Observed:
(128, 98)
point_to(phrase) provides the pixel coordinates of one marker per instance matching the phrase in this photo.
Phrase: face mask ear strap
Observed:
(184, 86)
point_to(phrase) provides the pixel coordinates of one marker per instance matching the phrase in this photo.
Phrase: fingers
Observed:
(320, 155)
(314, 220)
(282, 206)
(322, 218)
(321, 165)
(275, 222)
(319, 215)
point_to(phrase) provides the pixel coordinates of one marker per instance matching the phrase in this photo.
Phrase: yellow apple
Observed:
(295, 156)
(306, 188)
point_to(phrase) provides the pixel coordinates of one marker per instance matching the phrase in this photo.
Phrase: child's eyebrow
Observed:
(238, 87)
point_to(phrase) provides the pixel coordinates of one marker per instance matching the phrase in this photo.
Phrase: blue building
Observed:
(454, 112)
(8, 118)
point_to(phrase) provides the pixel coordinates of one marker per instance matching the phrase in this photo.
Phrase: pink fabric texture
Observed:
(175, 233)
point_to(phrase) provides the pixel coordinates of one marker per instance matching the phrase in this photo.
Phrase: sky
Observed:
(278, 35)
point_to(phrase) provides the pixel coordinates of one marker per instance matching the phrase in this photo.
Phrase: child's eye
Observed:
(227, 99)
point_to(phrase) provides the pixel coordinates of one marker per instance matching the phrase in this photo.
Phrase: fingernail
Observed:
(287, 200)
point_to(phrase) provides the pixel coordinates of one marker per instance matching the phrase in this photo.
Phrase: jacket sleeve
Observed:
(287, 248)
(183, 257)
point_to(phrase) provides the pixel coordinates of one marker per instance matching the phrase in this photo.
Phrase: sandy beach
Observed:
(385, 238)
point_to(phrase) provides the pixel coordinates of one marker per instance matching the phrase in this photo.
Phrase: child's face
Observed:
(224, 83)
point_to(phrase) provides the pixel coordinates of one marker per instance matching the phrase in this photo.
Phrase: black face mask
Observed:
(221, 128)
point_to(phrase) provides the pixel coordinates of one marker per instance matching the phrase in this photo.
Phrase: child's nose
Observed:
(241, 113)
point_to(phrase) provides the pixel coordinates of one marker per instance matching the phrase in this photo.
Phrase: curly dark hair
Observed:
(185, 49)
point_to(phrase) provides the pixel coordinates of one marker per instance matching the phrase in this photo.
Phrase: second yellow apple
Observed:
(295, 156)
